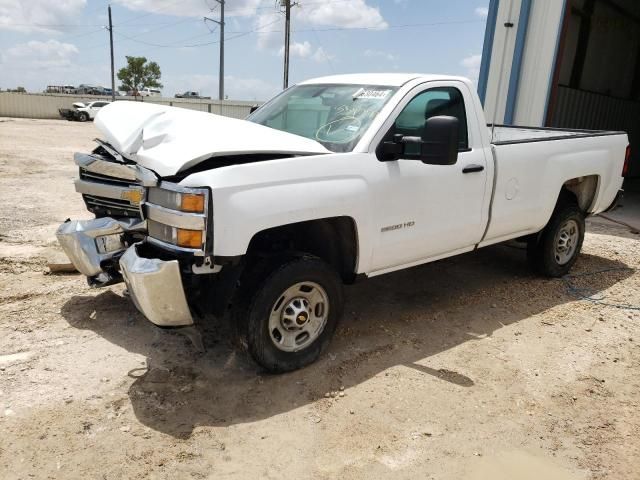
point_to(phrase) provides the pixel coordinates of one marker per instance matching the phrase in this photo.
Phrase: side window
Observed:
(431, 103)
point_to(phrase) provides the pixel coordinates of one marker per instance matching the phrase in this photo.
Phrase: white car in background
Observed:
(149, 92)
(83, 111)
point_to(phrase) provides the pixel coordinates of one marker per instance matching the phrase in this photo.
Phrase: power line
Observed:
(242, 11)
(324, 53)
(405, 25)
(170, 4)
(232, 37)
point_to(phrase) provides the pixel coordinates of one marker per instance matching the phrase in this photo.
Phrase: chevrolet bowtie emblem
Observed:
(133, 196)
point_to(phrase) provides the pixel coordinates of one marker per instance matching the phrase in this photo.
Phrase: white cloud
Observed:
(472, 64)
(347, 13)
(379, 54)
(267, 26)
(38, 15)
(298, 49)
(482, 12)
(40, 55)
(36, 64)
(305, 50)
(321, 56)
(191, 8)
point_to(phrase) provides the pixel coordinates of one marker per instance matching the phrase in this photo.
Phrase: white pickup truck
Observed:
(333, 180)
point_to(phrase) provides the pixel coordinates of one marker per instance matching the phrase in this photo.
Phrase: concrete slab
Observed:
(628, 213)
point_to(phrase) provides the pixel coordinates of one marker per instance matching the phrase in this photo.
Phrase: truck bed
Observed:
(506, 134)
(531, 168)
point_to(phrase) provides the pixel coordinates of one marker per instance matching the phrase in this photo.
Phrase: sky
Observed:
(66, 42)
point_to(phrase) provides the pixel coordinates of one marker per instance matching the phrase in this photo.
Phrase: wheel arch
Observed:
(583, 190)
(333, 239)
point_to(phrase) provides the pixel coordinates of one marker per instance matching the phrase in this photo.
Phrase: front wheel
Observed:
(288, 319)
(83, 116)
(554, 251)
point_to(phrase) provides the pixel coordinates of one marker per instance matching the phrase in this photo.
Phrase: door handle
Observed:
(472, 168)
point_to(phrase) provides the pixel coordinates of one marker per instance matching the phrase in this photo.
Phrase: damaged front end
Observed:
(95, 246)
(147, 233)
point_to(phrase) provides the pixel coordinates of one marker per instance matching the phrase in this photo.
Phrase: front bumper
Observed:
(80, 239)
(98, 250)
(156, 288)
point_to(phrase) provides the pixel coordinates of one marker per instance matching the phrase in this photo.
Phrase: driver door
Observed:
(424, 211)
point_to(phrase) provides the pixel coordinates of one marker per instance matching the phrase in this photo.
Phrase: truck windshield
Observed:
(335, 115)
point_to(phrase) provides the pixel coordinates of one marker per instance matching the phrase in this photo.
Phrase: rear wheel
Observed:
(287, 317)
(554, 251)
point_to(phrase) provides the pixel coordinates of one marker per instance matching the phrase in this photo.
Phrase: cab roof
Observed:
(386, 79)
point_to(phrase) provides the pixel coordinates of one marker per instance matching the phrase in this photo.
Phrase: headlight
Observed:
(180, 237)
(177, 216)
(183, 201)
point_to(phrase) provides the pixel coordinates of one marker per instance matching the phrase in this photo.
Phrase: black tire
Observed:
(260, 290)
(83, 116)
(541, 248)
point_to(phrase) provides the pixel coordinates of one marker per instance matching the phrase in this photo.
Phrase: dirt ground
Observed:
(468, 368)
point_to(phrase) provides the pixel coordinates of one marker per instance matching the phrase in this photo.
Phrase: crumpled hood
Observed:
(170, 139)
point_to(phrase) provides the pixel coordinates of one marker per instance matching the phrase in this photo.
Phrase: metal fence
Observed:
(46, 105)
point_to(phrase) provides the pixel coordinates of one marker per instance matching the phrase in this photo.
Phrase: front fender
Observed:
(244, 213)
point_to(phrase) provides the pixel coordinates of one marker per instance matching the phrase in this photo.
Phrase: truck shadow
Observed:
(400, 319)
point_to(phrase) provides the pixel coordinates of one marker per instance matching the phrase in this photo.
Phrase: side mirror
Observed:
(440, 141)
(391, 151)
(253, 108)
(437, 146)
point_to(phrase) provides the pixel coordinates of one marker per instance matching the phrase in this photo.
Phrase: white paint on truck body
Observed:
(405, 212)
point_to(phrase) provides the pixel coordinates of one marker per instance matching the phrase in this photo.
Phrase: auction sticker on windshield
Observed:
(371, 93)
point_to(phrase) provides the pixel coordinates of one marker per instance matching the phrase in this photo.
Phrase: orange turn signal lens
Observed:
(192, 202)
(189, 238)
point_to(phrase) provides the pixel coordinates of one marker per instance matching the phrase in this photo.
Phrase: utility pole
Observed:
(221, 25)
(113, 81)
(287, 26)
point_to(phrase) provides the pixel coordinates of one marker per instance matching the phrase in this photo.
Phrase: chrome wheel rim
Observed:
(566, 242)
(298, 316)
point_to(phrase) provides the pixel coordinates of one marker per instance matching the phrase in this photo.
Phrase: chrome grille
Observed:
(92, 176)
(110, 207)
(109, 188)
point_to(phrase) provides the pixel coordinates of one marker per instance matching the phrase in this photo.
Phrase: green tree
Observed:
(139, 73)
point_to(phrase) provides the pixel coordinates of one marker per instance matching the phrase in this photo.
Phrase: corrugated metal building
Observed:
(564, 63)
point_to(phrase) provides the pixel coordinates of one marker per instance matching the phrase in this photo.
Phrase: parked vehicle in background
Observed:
(191, 95)
(84, 89)
(149, 92)
(82, 112)
(67, 89)
(334, 180)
